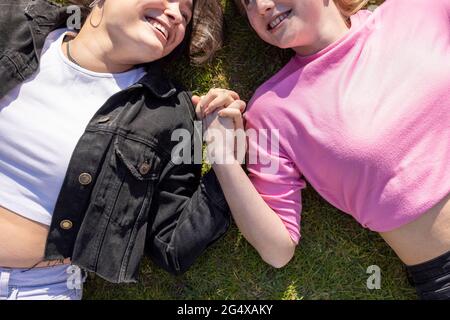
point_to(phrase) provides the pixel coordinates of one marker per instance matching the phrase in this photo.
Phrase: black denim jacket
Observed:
(122, 195)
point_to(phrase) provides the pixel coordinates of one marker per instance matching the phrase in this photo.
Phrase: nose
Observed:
(173, 12)
(263, 6)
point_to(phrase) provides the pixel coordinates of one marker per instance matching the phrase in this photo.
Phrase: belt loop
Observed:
(4, 284)
(14, 294)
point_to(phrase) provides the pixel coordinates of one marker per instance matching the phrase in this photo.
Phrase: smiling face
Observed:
(145, 30)
(285, 23)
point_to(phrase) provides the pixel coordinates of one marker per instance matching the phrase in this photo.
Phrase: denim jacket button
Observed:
(66, 224)
(85, 179)
(144, 168)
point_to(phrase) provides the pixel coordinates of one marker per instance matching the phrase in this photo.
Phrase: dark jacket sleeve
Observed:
(187, 221)
(190, 213)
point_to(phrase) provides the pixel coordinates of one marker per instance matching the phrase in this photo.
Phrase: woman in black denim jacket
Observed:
(124, 192)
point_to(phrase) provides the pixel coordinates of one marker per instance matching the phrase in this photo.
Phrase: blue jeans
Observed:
(62, 282)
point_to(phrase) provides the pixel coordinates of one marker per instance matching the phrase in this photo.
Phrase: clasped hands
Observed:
(223, 125)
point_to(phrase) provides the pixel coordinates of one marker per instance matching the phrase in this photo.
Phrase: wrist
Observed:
(220, 153)
(221, 168)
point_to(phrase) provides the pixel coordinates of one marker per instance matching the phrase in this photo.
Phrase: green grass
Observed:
(330, 263)
(333, 256)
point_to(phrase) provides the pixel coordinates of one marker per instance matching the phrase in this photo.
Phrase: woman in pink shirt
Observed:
(363, 113)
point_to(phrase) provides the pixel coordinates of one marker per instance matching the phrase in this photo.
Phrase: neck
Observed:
(332, 27)
(94, 50)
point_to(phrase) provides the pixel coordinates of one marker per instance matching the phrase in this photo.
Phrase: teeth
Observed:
(159, 27)
(278, 20)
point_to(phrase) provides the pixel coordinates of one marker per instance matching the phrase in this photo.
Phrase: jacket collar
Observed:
(44, 17)
(46, 13)
(157, 82)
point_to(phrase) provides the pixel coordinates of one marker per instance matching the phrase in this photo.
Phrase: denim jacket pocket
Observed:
(140, 159)
(137, 172)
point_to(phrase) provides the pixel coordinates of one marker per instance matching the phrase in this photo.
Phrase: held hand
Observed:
(225, 141)
(218, 99)
(226, 102)
(221, 112)
(214, 99)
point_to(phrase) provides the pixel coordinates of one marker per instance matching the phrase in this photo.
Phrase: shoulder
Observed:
(163, 110)
(412, 20)
(268, 100)
(419, 3)
(179, 109)
(169, 96)
(408, 9)
(184, 108)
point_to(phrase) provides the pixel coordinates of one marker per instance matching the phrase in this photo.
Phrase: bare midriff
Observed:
(22, 242)
(425, 238)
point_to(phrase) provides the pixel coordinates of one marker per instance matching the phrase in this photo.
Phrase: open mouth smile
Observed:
(278, 20)
(159, 27)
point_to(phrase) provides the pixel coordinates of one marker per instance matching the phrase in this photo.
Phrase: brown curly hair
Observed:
(204, 36)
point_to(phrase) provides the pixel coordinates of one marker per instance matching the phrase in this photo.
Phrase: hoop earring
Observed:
(93, 5)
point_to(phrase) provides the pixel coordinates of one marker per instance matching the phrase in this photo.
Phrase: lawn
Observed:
(334, 253)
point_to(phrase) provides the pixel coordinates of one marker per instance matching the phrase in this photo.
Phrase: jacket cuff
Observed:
(211, 187)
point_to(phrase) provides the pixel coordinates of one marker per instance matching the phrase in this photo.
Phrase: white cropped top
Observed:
(41, 121)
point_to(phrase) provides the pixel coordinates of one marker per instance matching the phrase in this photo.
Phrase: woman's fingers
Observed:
(198, 109)
(230, 113)
(221, 101)
(239, 122)
(236, 106)
(195, 100)
(209, 97)
(225, 102)
(217, 98)
(234, 111)
(239, 105)
(235, 115)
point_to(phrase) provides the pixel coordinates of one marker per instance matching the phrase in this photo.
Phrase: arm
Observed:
(265, 208)
(260, 224)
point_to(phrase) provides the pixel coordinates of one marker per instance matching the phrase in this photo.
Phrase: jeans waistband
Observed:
(39, 276)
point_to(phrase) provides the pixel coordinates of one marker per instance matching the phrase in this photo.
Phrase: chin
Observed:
(289, 45)
(153, 58)
(153, 51)
(290, 41)
(279, 44)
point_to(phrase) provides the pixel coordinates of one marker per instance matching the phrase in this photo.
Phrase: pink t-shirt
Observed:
(366, 120)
